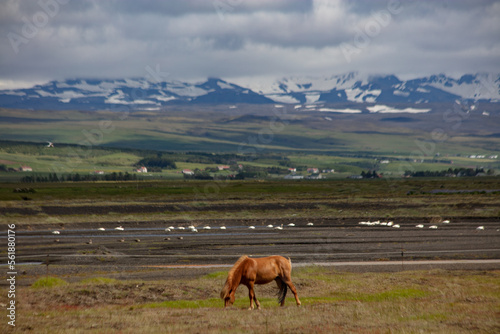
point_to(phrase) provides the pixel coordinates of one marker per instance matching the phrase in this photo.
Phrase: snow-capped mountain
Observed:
(85, 94)
(352, 87)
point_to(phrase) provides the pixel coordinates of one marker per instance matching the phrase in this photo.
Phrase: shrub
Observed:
(48, 282)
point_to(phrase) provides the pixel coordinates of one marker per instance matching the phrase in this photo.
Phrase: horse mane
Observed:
(230, 277)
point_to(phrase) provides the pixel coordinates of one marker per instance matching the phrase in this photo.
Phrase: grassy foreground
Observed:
(435, 301)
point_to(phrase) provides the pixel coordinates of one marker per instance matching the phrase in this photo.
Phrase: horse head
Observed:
(229, 300)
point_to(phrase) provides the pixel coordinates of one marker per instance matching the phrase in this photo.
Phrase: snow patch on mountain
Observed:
(387, 110)
(344, 111)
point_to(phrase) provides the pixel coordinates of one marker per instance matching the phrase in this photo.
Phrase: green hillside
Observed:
(259, 138)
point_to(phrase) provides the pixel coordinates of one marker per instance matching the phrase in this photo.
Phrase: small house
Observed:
(187, 172)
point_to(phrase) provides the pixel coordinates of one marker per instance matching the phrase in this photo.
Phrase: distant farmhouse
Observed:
(141, 170)
(25, 169)
(187, 172)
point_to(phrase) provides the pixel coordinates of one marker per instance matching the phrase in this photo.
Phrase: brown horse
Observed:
(262, 270)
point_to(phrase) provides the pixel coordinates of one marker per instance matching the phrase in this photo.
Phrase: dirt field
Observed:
(351, 277)
(144, 250)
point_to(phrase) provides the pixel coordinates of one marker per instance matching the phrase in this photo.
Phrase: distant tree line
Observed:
(249, 172)
(79, 177)
(157, 162)
(450, 172)
(370, 175)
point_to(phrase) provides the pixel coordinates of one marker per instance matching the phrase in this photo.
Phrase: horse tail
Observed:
(282, 290)
(231, 279)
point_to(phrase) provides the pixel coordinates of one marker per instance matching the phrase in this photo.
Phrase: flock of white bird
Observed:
(391, 224)
(193, 228)
(379, 223)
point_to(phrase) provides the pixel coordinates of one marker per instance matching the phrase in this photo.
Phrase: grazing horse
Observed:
(249, 271)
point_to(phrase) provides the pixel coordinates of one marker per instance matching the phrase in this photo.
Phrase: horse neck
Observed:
(236, 278)
(235, 274)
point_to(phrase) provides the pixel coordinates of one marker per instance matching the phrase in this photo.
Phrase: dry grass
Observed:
(434, 301)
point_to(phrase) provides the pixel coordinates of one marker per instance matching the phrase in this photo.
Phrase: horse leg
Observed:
(294, 291)
(251, 295)
(288, 281)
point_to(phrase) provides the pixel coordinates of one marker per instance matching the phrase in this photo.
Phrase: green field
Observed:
(258, 136)
(435, 301)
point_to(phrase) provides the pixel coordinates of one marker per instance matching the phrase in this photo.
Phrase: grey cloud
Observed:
(194, 39)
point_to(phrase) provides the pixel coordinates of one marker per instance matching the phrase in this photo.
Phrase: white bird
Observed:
(377, 222)
(291, 224)
(181, 228)
(191, 227)
(420, 226)
(396, 226)
(56, 232)
(119, 228)
(270, 226)
(480, 228)
(222, 227)
(206, 228)
(171, 227)
(445, 222)
(101, 229)
(168, 230)
(279, 227)
(50, 144)
(383, 223)
(194, 230)
(251, 227)
(433, 227)
(390, 223)
(310, 224)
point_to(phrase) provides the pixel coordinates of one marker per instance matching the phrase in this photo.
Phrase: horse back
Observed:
(268, 268)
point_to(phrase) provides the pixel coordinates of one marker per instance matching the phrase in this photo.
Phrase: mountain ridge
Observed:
(140, 93)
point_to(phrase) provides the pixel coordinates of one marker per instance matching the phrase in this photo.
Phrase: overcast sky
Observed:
(244, 40)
